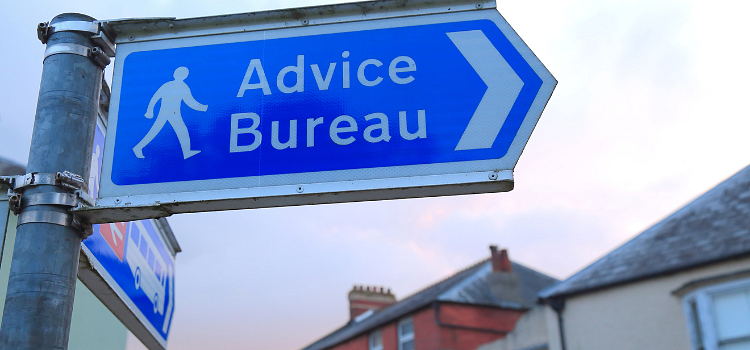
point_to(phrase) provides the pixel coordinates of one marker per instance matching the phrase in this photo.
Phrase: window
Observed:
(376, 340)
(144, 247)
(135, 233)
(718, 317)
(406, 334)
(157, 270)
(151, 259)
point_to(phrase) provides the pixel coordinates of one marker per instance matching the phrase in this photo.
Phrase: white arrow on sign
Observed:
(503, 87)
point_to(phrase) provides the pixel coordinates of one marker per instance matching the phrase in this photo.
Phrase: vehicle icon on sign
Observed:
(146, 264)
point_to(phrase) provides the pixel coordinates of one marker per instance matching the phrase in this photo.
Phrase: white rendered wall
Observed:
(641, 315)
(530, 331)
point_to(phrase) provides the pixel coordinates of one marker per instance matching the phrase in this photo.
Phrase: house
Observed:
(492, 301)
(9, 168)
(682, 284)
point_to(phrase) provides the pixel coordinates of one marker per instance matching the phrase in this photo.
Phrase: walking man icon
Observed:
(172, 94)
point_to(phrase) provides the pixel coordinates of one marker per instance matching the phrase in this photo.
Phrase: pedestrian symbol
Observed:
(171, 94)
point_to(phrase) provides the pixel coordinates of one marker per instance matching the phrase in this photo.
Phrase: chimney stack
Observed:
(365, 298)
(500, 260)
(504, 284)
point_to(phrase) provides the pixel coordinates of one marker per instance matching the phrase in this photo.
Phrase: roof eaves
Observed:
(504, 305)
(337, 330)
(729, 195)
(584, 290)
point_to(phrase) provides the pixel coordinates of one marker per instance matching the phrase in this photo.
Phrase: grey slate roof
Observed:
(712, 228)
(470, 286)
(8, 167)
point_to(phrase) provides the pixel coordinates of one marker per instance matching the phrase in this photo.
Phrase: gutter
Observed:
(558, 304)
(644, 277)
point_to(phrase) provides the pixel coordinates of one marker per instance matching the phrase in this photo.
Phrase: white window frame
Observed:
(403, 338)
(704, 306)
(377, 333)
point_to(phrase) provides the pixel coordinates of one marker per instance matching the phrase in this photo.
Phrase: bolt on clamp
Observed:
(66, 180)
(102, 36)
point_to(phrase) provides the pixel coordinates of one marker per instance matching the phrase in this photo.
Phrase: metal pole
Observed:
(41, 288)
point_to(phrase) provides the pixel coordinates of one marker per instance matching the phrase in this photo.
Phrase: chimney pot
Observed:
(500, 260)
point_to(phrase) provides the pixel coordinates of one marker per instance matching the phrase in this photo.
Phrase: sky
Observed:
(648, 113)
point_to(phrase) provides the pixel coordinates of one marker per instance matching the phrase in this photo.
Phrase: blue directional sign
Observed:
(132, 268)
(394, 98)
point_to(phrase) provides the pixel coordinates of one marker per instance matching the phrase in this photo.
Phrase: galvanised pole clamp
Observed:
(75, 196)
(102, 36)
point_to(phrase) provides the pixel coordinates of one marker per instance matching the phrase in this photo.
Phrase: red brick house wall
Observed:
(458, 327)
(465, 327)
(390, 337)
(494, 319)
(464, 339)
(426, 330)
